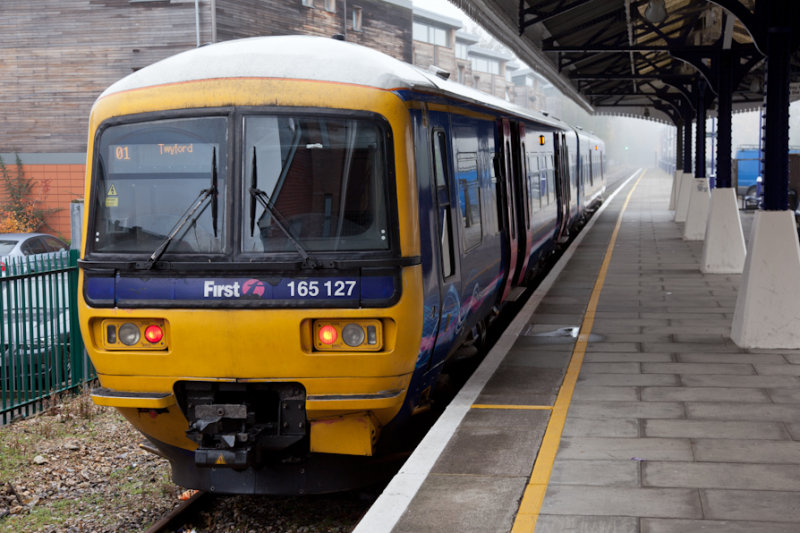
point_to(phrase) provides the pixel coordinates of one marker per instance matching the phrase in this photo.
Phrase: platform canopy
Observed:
(634, 57)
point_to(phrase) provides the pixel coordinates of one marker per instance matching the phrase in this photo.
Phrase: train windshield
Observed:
(161, 184)
(313, 184)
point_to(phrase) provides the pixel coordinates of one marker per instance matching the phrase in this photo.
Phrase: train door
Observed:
(521, 177)
(447, 244)
(504, 170)
(563, 186)
(577, 170)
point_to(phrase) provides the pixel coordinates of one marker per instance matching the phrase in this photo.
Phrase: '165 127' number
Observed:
(326, 289)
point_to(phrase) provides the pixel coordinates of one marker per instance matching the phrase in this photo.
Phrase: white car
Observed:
(18, 245)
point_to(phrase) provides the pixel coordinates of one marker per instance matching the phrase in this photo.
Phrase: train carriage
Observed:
(286, 240)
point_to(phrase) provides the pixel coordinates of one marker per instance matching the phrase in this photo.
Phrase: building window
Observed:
(429, 34)
(330, 5)
(356, 19)
(482, 64)
(461, 50)
(307, 3)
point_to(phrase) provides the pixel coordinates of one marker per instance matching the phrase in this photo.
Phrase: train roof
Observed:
(309, 58)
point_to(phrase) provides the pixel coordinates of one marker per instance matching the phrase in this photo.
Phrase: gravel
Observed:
(78, 467)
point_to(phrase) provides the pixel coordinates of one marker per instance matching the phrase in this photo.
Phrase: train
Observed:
(288, 238)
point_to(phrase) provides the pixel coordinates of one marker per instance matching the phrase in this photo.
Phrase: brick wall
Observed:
(55, 187)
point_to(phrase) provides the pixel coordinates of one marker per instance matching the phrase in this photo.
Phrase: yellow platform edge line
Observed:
(533, 497)
(512, 407)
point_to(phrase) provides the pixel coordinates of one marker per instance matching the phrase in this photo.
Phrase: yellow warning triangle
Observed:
(112, 191)
(220, 460)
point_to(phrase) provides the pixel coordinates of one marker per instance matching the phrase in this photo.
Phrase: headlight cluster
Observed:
(139, 334)
(348, 335)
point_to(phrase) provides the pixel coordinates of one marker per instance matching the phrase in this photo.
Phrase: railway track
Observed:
(182, 515)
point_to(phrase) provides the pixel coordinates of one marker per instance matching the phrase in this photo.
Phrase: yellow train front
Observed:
(251, 271)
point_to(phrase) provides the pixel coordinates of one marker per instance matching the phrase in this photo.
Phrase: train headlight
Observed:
(129, 334)
(359, 335)
(353, 335)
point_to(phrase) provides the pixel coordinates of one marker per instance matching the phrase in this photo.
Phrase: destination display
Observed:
(180, 158)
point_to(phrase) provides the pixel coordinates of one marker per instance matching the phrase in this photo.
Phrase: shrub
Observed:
(20, 212)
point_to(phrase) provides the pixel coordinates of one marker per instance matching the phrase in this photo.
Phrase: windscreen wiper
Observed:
(264, 199)
(189, 214)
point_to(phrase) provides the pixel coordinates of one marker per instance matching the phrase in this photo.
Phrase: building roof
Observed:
(430, 16)
(471, 38)
(485, 52)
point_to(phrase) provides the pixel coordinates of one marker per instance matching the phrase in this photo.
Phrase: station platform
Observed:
(614, 402)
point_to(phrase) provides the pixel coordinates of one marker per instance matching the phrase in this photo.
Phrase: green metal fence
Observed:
(41, 349)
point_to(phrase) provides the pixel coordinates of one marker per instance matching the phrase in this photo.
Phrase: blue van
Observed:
(747, 165)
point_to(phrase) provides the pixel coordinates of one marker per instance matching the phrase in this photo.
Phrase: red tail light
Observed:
(327, 335)
(153, 334)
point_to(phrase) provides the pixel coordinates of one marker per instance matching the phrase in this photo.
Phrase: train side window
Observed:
(443, 202)
(511, 204)
(543, 180)
(534, 183)
(525, 192)
(551, 179)
(469, 197)
(498, 191)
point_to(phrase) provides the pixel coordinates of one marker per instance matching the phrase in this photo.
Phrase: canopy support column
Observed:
(724, 248)
(697, 212)
(768, 301)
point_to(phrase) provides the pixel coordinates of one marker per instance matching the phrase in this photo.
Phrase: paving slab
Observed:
(759, 505)
(463, 504)
(597, 473)
(743, 411)
(698, 368)
(627, 409)
(601, 427)
(586, 524)
(613, 501)
(587, 392)
(726, 358)
(708, 429)
(625, 448)
(761, 382)
(745, 451)
(721, 475)
(628, 357)
(660, 525)
(487, 450)
(707, 394)
(630, 380)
